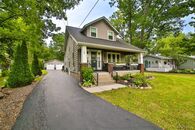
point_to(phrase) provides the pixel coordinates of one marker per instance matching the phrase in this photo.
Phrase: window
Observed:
(156, 62)
(93, 31)
(118, 58)
(109, 58)
(113, 57)
(110, 35)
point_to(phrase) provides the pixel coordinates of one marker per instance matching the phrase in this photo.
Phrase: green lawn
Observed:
(2, 82)
(170, 104)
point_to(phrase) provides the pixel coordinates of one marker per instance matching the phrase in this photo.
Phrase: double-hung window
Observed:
(93, 31)
(110, 35)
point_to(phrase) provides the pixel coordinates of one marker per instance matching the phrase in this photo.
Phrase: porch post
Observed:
(140, 63)
(83, 60)
(83, 54)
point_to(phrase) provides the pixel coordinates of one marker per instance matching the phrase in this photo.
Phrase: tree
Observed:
(172, 46)
(36, 68)
(20, 74)
(30, 21)
(58, 45)
(146, 20)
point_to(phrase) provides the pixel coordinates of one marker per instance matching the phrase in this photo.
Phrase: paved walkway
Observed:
(58, 103)
(98, 89)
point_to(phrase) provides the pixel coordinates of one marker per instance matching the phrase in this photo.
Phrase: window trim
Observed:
(96, 31)
(108, 31)
(111, 57)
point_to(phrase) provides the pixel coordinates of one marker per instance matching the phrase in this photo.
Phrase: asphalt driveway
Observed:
(58, 103)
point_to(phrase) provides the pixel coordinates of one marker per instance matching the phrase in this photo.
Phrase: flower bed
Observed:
(135, 81)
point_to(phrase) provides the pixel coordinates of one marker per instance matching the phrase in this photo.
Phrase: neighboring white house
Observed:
(54, 65)
(189, 63)
(158, 63)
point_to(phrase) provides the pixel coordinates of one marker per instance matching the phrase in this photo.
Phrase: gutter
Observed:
(109, 47)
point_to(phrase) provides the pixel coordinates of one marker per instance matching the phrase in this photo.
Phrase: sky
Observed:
(77, 15)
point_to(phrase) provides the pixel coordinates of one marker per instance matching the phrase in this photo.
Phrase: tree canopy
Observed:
(141, 21)
(29, 21)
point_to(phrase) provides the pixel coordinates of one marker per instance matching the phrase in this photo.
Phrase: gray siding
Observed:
(71, 55)
(189, 64)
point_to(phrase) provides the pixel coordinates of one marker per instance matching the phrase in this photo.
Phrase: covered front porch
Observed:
(112, 60)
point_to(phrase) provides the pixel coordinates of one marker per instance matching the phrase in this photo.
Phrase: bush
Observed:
(5, 73)
(185, 71)
(124, 77)
(20, 74)
(36, 69)
(87, 84)
(87, 75)
(140, 80)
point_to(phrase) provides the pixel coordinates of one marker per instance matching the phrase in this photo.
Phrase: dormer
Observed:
(100, 28)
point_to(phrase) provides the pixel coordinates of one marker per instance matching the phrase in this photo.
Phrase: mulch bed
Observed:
(11, 104)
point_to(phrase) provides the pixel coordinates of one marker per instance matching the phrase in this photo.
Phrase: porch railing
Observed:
(95, 78)
(116, 66)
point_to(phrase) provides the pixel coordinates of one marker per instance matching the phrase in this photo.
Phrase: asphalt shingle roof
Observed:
(159, 57)
(119, 43)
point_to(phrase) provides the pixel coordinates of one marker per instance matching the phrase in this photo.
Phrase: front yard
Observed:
(170, 103)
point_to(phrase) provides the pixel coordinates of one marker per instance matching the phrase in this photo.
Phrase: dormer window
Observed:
(93, 31)
(110, 35)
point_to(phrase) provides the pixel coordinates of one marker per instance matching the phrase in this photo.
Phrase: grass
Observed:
(170, 104)
(2, 81)
(39, 78)
(44, 72)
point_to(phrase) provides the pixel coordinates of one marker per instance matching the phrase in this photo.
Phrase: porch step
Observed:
(104, 78)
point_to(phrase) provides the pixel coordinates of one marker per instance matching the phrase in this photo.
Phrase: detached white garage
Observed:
(54, 65)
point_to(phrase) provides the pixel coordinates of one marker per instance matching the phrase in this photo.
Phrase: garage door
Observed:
(50, 67)
(59, 67)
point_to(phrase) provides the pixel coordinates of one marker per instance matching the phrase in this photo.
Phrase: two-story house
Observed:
(98, 45)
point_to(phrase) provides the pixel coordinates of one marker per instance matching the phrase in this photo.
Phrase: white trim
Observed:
(100, 60)
(140, 58)
(108, 47)
(73, 39)
(83, 54)
(108, 35)
(96, 32)
(96, 20)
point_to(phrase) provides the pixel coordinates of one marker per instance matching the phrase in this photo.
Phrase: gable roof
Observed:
(97, 20)
(159, 57)
(81, 39)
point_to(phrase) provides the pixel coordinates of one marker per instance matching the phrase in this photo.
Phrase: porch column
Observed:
(83, 54)
(141, 63)
(83, 60)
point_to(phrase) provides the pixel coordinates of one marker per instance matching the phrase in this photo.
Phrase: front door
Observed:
(94, 60)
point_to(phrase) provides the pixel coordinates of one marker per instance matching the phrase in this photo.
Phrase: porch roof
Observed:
(118, 45)
(159, 57)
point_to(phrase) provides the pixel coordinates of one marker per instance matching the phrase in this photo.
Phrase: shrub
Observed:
(36, 69)
(20, 74)
(87, 75)
(186, 71)
(140, 80)
(4, 73)
(124, 77)
(87, 84)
